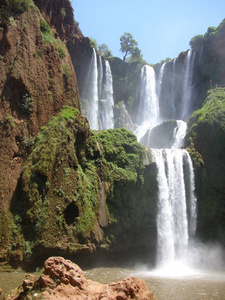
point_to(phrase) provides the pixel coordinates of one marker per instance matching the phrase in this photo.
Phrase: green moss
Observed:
(18, 6)
(206, 142)
(64, 178)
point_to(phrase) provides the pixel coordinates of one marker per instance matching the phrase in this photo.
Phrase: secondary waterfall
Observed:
(159, 81)
(173, 108)
(90, 99)
(107, 103)
(97, 99)
(187, 86)
(148, 109)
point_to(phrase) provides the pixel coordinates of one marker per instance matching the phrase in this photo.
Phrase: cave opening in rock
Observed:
(71, 213)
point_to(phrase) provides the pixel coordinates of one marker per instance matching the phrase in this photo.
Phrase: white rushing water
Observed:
(172, 218)
(173, 108)
(92, 93)
(187, 86)
(97, 101)
(148, 110)
(159, 81)
(107, 101)
(179, 134)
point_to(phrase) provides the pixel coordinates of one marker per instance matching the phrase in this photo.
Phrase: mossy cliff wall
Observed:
(206, 142)
(37, 79)
(83, 192)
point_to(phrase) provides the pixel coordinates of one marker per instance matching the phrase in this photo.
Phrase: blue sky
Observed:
(162, 28)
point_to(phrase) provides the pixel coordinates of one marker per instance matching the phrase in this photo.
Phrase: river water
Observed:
(193, 286)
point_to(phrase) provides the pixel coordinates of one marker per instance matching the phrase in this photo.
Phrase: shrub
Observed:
(18, 6)
(197, 41)
(63, 12)
(26, 104)
(61, 51)
(44, 27)
(46, 32)
(28, 142)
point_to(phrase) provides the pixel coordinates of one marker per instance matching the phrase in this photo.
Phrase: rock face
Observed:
(37, 79)
(206, 142)
(78, 193)
(63, 279)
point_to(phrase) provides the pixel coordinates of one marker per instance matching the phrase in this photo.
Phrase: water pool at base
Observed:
(196, 286)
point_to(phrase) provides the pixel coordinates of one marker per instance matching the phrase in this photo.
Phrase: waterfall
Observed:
(89, 99)
(107, 101)
(192, 198)
(172, 218)
(187, 86)
(100, 76)
(179, 134)
(97, 99)
(159, 81)
(173, 108)
(148, 110)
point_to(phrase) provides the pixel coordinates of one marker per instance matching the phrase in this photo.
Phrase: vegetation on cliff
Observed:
(206, 142)
(37, 79)
(79, 190)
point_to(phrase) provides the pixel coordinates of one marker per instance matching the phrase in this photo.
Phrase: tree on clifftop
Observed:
(128, 44)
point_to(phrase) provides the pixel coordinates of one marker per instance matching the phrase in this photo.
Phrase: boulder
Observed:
(62, 279)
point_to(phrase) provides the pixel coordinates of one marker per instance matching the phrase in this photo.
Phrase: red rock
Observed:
(63, 279)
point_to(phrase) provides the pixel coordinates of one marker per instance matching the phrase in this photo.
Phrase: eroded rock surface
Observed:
(63, 279)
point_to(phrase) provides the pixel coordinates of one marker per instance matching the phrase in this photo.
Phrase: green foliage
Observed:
(206, 141)
(46, 32)
(18, 6)
(44, 27)
(127, 44)
(104, 51)
(93, 43)
(67, 71)
(212, 32)
(9, 122)
(61, 51)
(136, 56)
(63, 12)
(197, 41)
(26, 104)
(168, 59)
(120, 147)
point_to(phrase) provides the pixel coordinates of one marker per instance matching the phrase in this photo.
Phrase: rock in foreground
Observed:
(63, 279)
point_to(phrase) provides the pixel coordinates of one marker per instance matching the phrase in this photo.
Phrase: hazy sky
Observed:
(162, 28)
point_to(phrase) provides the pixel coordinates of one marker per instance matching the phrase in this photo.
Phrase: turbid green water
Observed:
(198, 286)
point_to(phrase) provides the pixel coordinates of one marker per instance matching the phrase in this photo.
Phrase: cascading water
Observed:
(173, 108)
(91, 94)
(107, 101)
(148, 110)
(172, 219)
(187, 86)
(100, 76)
(97, 99)
(179, 134)
(159, 81)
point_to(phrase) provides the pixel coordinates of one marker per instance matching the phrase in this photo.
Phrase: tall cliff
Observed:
(37, 79)
(205, 140)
